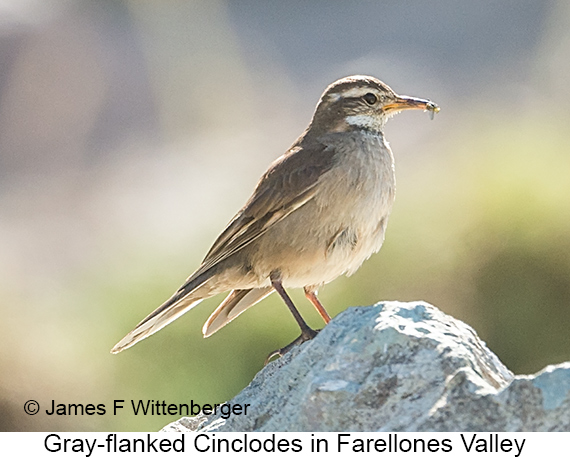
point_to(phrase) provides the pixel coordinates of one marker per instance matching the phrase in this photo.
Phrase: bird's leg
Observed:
(312, 297)
(307, 333)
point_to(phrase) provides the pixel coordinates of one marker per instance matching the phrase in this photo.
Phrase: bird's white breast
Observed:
(342, 225)
(352, 206)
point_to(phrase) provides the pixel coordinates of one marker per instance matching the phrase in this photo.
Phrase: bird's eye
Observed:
(370, 98)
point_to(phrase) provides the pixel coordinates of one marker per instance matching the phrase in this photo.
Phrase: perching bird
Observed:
(318, 212)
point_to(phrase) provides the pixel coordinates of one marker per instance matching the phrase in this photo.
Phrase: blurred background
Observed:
(132, 131)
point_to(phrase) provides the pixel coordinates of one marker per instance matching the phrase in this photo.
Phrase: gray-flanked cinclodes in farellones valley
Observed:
(318, 212)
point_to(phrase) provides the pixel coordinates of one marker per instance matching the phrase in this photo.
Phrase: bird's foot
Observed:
(306, 335)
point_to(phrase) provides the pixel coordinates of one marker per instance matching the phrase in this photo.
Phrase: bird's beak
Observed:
(401, 102)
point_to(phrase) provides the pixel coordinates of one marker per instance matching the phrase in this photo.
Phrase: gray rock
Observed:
(395, 367)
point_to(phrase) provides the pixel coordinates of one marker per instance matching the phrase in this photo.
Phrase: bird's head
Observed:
(362, 102)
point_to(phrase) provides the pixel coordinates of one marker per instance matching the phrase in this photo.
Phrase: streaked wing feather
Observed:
(289, 183)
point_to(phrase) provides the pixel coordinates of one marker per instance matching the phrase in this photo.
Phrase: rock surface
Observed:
(396, 367)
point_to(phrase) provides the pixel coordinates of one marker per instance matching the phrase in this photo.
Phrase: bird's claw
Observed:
(306, 335)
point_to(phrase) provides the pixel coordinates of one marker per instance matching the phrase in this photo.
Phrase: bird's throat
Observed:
(366, 122)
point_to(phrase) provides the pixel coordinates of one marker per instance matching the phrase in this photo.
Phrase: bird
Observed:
(318, 212)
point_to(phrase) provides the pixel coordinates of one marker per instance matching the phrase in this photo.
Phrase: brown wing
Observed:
(287, 185)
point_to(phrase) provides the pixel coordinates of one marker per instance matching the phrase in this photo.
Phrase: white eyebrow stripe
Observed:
(355, 92)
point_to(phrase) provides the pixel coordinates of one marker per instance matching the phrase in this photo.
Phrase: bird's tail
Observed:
(234, 304)
(188, 296)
